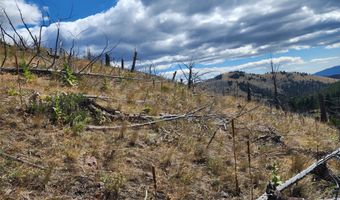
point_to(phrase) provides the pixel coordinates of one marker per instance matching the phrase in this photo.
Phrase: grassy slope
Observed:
(185, 168)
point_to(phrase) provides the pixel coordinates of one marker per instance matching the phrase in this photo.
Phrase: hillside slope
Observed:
(192, 156)
(261, 85)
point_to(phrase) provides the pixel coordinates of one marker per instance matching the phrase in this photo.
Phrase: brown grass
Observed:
(185, 168)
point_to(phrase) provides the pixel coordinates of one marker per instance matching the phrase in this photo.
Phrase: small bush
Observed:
(63, 109)
(26, 72)
(113, 183)
(12, 92)
(105, 85)
(276, 179)
(68, 77)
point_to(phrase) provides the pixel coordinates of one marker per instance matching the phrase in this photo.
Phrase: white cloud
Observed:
(333, 46)
(30, 12)
(323, 60)
(168, 32)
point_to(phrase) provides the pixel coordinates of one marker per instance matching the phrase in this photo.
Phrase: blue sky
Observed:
(78, 8)
(220, 36)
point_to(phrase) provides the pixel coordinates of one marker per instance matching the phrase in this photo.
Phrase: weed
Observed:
(276, 179)
(68, 77)
(113, 183)
(26, 72)
(147, 109)
(63, 109)
(105, 85)
(12, 92)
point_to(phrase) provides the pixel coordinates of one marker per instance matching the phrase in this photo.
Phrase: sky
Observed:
(219, 36)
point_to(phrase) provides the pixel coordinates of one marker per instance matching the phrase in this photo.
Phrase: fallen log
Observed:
(301, 175)
(52, 71)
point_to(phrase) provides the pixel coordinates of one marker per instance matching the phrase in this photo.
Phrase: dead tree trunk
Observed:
(248, 93)
(174, 76)
(276, 96)
(107, 60)
(5, 48)
(323, 113)
(237, 187)
(134, 61)
(190, 82)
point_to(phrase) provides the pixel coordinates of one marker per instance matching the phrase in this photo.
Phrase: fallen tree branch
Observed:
(51, 71)
(146, 123)
(304, 173)
(16, 158)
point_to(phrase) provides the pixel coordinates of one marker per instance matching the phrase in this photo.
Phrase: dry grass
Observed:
(185, 168)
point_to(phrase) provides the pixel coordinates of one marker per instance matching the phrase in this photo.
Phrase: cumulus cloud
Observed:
(264, 65)
(167, 32)
(323, 60)
(31, 13)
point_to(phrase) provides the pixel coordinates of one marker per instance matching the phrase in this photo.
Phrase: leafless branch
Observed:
(15, 30)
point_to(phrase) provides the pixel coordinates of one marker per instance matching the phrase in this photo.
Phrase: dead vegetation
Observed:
(117, 163)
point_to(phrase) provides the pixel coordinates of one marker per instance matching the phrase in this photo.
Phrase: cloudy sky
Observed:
(219, 35)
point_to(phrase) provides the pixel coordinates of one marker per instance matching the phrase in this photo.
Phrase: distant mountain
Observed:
(330, 72)
(289, 85)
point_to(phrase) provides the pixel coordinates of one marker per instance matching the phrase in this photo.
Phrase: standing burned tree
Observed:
(274, 68)
(33, 44)
(190, 75)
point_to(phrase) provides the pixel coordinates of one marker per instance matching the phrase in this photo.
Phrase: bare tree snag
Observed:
(5, 48)
(107, 59)
(174, 76)
(134, 61)
(248, 92)
(122, 63)
(274, 70)
(249, 166)
(154, 178)
(323, 113)
(237, 187)
(22, 42)
(56, 46)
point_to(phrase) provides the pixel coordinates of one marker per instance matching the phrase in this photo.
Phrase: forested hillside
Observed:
(261, 86)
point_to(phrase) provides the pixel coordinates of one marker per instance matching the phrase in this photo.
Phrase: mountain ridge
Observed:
(329, 72)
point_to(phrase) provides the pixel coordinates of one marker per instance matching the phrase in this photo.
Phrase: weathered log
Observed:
(189, 114)
(301, 175)
(52, 71)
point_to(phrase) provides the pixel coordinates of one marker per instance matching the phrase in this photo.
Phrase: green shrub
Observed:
(26, 72)
(276, 179)
(113, 183)
(12, 92)
(68, 77)
(63, 109)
